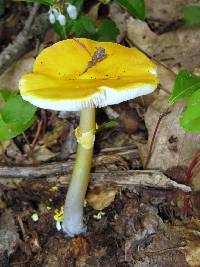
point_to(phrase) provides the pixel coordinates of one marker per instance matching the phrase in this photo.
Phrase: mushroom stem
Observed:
(73, 211)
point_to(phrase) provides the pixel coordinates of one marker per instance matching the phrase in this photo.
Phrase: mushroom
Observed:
(80, 75)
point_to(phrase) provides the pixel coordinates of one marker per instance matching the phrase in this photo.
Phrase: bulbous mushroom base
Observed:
(73, 226)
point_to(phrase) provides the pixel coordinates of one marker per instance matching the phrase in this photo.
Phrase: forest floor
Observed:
(129, 223)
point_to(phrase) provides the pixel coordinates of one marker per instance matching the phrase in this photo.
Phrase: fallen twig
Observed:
(34, 27)
(127, 179)
(107, 155)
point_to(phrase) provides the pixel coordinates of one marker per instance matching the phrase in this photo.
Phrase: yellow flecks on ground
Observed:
(59, 214)
(99, 215)
(54, 189)
(85, 203)
(34, 217)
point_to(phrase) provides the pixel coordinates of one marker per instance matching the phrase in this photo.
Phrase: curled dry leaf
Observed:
(101, 197)
(42, 153)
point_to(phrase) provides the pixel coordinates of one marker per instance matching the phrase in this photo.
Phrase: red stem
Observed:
(162, 115)
(188, 180)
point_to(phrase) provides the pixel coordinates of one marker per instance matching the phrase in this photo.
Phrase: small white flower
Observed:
(52, 18)
(72, 11)
(55, 12)
(61, 19)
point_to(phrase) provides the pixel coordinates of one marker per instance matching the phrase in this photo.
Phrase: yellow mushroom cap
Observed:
(61, 79)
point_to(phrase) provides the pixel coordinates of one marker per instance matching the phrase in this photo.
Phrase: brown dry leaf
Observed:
(177, 49)
(173, 146)
(196, 178)
(41, 153)
(167, 10)
(13, 152)
(4, 145)
(191, 234)
(9, 236)
(195, 196)
(101, 197)
(79, 247)
(10, 78)
(119, 15)
(52, 137)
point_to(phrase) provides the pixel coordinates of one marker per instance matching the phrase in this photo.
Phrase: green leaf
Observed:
(88, 24)
(5, 94)
(78, 4)
(84, 27)
(17, 110)
(17, 115)
(60, 30)
(108, 31)
(44, 2)
(135, 7)
(107, 125)
(191, 15)
(2, 7)
(185, 85)
(11, 130)
(190, 119)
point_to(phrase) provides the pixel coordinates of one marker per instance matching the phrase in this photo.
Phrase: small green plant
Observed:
(135, 7)
(191, 15)
(16, 115)
(68, 19)
(187, 87)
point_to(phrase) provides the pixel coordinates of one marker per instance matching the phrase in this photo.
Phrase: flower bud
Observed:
(61, 19)
(72, 11)
(52, 18)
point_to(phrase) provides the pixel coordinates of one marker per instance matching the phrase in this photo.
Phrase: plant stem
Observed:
(162, 115)
(73, 211)
(187, 181)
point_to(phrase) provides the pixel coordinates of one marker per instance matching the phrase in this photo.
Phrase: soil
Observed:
(130, 233)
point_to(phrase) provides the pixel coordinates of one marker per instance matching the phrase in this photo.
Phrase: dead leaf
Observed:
(13, 152)
(167, 10)
(119, 15)
(101, 197)
(10, 78)
(4, 145)
(79, 247)
(177, 49)
(9, 236)
(173, 146)
(41, 153)
(191, 234)
(52, 137)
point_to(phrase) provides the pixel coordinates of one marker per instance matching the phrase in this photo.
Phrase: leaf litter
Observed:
(140, 228)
